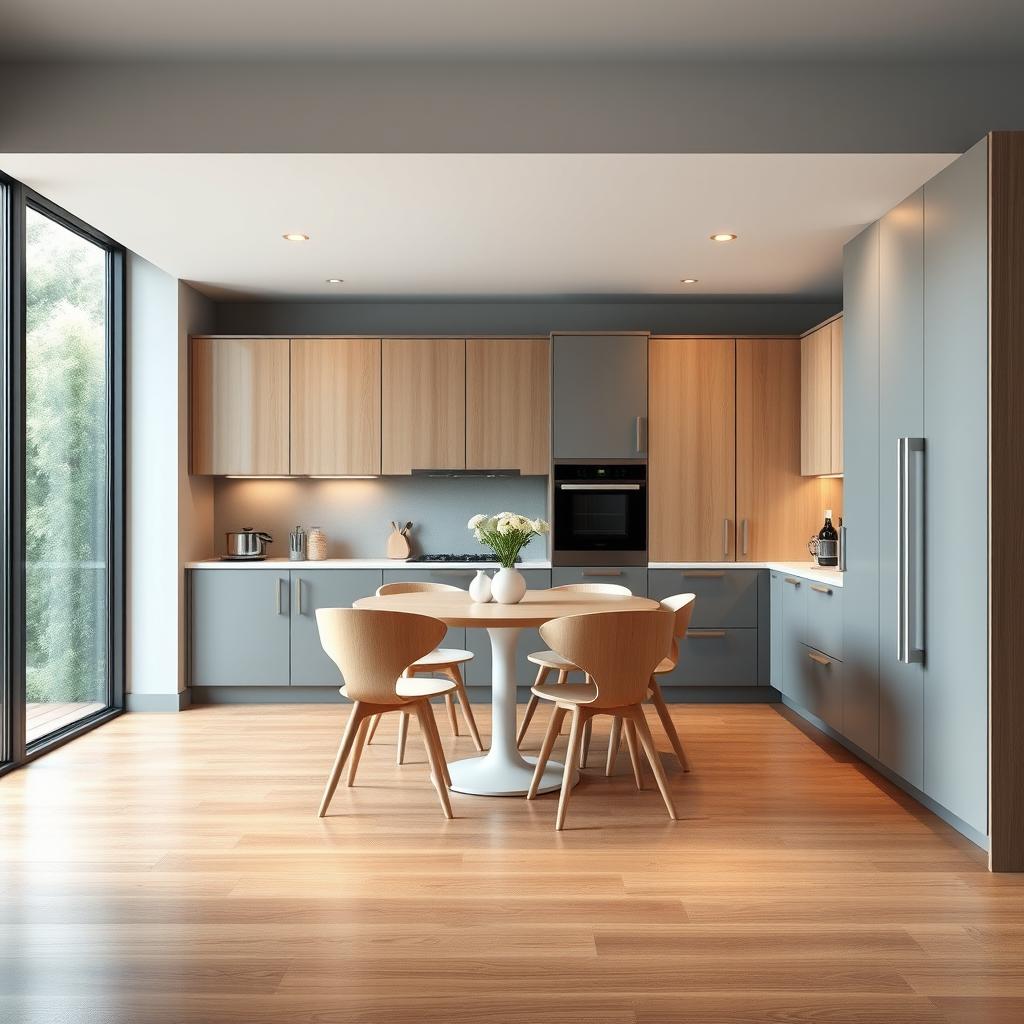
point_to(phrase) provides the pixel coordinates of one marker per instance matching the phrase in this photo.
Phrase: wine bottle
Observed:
(828, 542)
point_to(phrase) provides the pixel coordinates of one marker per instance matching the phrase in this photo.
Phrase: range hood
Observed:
(485, 474)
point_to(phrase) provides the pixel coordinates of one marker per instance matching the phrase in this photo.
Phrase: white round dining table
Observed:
(502, 770)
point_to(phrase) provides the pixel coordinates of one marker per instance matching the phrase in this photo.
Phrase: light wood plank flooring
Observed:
(171, 868)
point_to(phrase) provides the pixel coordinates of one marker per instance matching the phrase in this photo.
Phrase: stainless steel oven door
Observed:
(600, 523)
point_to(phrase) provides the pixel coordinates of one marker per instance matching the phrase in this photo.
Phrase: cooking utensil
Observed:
(248, 543)
(297, 544)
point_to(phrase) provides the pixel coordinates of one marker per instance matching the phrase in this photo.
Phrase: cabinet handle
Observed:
(277, 595)
(641, 423)
(725, 536)
(795, 583)
(705, 634)
(602, 572)
(818, 589)
(910, 455)
(298, 594)
(702, 575)
(745, 527)
(819, 659)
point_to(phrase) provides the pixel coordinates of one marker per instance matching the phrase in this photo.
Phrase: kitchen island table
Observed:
(503, 771)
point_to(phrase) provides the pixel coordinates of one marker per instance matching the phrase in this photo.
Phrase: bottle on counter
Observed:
(316, 544)
(828, 543)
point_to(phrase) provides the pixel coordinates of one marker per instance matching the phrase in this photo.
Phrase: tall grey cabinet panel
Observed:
(901, 414)
(240, 633)
(860, 489)
(322, 588)
(956, 487)
(599, 396)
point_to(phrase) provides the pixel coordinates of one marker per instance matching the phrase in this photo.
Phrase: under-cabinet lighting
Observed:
(295, 236)
(257, 476)
(344, 476)
(723, 236)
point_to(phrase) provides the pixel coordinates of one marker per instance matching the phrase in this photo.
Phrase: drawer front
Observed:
(817, 682)
(634, 576)
(725, 597)
(715, 657)
(824, 629)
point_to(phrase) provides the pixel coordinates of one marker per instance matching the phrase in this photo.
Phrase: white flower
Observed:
(475, 521)
(539, 526)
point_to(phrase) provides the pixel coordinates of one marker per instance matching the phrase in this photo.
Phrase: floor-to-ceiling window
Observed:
(63, 474)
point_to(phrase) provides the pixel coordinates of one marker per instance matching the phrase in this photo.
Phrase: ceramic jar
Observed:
(316, 545)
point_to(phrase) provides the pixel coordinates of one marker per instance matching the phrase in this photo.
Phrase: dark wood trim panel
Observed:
(1006, 498)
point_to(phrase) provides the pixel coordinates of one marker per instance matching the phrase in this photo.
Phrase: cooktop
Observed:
(447, 557)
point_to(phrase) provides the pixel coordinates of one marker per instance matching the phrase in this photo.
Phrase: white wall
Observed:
(167, 519)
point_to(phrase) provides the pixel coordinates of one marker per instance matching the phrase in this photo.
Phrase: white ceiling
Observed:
(452, 29)
(484, 224)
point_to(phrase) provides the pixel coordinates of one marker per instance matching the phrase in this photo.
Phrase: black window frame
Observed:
(15, 200)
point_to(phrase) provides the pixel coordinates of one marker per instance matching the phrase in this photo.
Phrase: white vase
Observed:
(480, 587)
(508, 586)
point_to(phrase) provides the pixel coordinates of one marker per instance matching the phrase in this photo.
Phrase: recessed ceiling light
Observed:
(688, 280)
(723, 236)
(335, 280)
(295, 236)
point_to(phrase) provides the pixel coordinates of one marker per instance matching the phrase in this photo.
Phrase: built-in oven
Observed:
(599, 514)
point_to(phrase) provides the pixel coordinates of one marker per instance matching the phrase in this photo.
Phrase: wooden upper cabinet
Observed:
(423, 404)
(335, 406)
(821, 400)
(777, 509)
(692, 455)
(239, 406)
(508, 404)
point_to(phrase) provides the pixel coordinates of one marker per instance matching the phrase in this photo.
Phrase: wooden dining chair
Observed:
(681, 607)
(371, 650)
(552, 661)
(619, 652)
(445, 661)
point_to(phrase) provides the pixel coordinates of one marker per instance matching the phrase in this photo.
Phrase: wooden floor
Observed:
(171, 868)
(44, 718)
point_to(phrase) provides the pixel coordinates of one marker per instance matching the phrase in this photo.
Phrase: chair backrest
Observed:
(618, 650)
(597, 588)
(681, 606)
(415, 588)
(372, 648)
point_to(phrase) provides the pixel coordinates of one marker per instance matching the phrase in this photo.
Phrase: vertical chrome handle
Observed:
(745, 525)
(641, 441)
(725, 536)
(277, 595)
(298, 594)
(910, 549)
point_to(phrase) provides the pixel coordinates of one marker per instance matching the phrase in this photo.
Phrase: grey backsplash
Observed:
(356, 514)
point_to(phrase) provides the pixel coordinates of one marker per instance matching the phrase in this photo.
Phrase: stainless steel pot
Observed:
(248, 544)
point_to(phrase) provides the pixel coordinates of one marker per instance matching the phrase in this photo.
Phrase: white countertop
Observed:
(353, 563)
(805, 570)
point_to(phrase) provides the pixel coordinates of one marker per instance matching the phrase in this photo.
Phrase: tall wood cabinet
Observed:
(239, 406)
(692, 462)
(335, 406)
(821, 390)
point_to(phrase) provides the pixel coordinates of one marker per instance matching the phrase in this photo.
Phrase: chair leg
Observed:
(357, 751)
(531, 706)
(563, 677)
(403, 735)
(436, 774)
(455, 674)
(554, 727)
(571, 757)
(435, 734)
(614, 739)
(634, 754)
(585, 745)
(658, 700)
(453, 720)
(647, 742)
(347, 739)
(374, 722)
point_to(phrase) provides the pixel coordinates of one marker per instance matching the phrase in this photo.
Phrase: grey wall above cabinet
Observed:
(355, 514)
(599, 396)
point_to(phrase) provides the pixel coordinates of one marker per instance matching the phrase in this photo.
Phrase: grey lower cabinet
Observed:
(321, 588)
(776, 675)
(792, 633)
(634, 577)
(240, 627)
(721, 645)
(599, 396)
